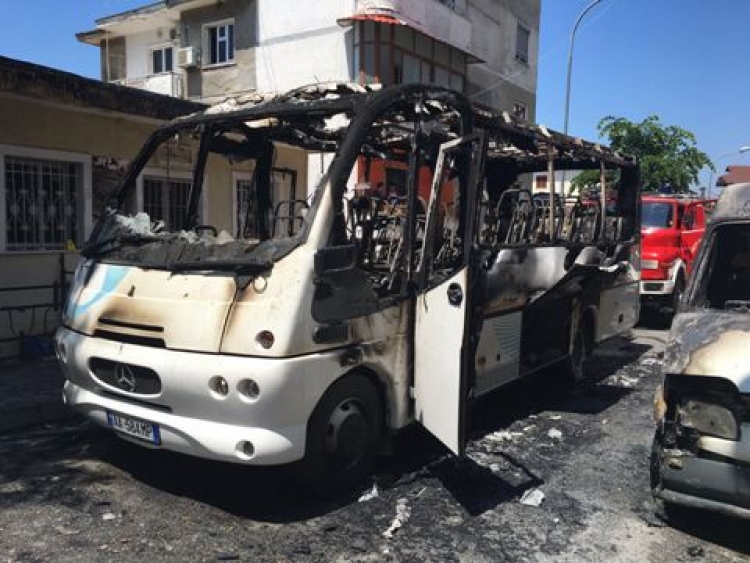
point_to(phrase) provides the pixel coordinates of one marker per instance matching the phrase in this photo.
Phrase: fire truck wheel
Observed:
(342, 436)
(679, 290)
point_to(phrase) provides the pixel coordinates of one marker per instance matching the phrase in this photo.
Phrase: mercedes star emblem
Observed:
(125, 377)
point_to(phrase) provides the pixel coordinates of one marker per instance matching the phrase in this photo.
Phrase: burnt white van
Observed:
(701, 454)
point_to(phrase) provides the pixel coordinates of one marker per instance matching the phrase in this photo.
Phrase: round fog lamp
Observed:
(245, 449)
(248, 390)
(265, 338)
(219, 386)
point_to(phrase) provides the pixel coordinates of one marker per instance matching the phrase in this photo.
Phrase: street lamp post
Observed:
(741, 150)
(570, 61)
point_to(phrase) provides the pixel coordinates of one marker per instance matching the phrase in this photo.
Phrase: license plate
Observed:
(140, 429)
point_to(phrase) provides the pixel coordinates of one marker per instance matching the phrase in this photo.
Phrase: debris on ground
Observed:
(696, 551)
(555, 434)
(369, 495)
(503, 436)
(403, 512)
(532, 497)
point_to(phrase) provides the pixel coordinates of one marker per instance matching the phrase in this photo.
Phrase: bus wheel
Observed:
(342, 436)
(575, 365)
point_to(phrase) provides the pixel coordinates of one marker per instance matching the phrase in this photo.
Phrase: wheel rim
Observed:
(346, 435)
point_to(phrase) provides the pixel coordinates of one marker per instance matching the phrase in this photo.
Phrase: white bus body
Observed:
(323, 326)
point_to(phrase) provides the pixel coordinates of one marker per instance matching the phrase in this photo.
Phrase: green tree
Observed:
(668, 155)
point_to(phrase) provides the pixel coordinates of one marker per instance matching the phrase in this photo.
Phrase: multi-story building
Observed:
(210, 49)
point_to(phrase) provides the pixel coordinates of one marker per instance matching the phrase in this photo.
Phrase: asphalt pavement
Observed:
(31, 393)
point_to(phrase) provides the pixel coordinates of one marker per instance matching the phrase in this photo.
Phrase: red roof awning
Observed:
(378, 18)
(734, 175)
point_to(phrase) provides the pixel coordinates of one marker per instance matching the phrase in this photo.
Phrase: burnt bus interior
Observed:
(466, 200)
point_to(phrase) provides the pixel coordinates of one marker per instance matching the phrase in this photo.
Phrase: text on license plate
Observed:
(133, 427)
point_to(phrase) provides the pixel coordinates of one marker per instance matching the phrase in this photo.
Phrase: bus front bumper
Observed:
(195, 437)
(187, 414)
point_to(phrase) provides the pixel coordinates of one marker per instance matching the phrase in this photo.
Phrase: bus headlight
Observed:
(709, 419)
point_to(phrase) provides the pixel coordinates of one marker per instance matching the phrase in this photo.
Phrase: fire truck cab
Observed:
(671, 230)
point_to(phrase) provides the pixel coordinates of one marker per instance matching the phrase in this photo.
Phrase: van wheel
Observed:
(342, 436)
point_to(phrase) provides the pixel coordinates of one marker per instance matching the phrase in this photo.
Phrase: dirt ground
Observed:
(74, 492)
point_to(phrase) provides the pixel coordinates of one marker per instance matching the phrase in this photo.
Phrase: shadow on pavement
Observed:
(714, 528)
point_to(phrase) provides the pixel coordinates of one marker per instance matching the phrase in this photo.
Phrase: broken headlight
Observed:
(709, 419)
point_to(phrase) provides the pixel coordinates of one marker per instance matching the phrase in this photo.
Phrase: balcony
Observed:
(444, 20)
(167, 83)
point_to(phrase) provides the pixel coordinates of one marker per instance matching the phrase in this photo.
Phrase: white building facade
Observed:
(208, 50)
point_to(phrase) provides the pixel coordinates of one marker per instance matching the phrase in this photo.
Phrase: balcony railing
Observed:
(168, 83)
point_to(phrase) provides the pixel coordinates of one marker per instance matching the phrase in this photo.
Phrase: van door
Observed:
(443, 331)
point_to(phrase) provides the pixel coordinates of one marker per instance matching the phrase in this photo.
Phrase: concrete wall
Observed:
(212, 83)
(503, 80)
(33, 312)
(304, 45)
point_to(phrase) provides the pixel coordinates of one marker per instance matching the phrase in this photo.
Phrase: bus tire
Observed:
(575, 363)
(342, 436)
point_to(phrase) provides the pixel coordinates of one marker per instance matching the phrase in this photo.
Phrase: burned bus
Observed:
(322, 325)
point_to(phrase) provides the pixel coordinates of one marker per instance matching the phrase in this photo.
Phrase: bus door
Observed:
(443, 339)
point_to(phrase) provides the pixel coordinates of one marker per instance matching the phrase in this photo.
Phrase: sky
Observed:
(686, 61)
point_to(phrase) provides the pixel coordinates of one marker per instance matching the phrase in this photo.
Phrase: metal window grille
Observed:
(41, 198)
(166, 200)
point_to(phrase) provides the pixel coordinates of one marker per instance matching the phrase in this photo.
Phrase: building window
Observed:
(522, 43)
(395, 54)
(166, 199)
(161, 60)
(41, 203)
(519, 110)
(219, 42)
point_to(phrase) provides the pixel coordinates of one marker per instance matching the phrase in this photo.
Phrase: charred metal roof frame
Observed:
(518, 139)
(51, 85)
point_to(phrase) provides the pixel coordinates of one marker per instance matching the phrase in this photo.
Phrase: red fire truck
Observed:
(671, 230)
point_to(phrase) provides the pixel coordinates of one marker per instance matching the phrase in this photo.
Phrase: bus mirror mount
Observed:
(335, 258)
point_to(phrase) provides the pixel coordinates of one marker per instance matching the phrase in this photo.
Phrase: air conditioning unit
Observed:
(186, 57)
